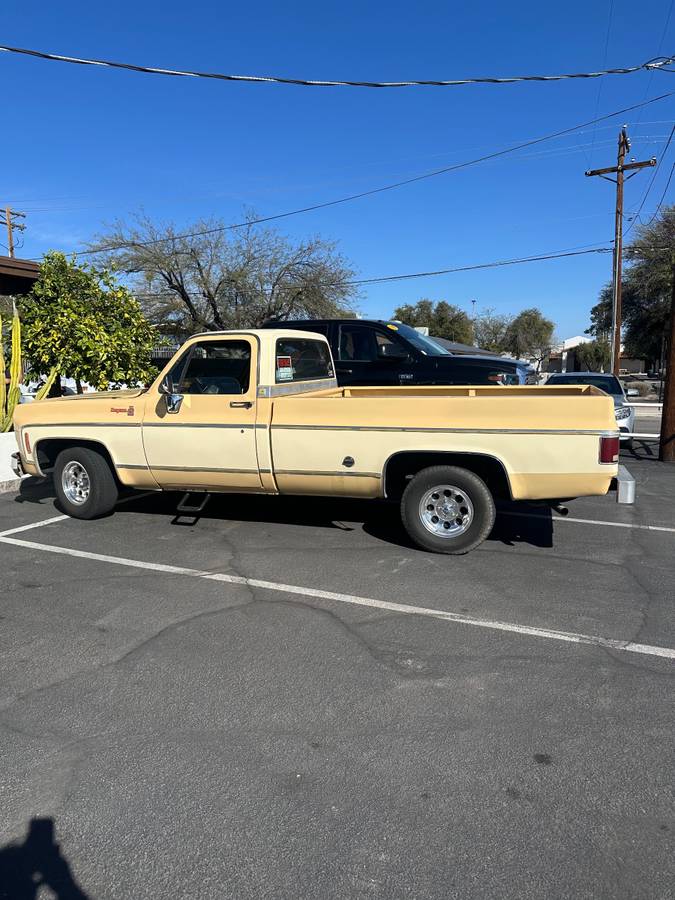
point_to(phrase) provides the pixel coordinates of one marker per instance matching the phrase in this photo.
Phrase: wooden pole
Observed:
(618, 170)
(10, 236)
(618, 252)
(667, 441)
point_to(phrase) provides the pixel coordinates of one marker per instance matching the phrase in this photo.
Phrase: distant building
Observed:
(564, 358)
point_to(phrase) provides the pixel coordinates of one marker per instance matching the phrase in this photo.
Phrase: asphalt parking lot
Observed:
(285, 699)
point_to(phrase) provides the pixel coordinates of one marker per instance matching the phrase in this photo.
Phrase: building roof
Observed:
(17, 276)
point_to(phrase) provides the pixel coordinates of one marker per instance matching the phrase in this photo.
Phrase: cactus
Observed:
(10, 393)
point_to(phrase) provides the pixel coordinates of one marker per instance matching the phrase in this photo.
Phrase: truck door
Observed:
(368, 356)
(199, 429)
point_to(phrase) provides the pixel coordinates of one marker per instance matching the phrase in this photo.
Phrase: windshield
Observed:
(419, 341)
(607, 383)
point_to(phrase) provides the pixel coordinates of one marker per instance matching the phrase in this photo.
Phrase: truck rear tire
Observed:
(84, 483)
(447, 509)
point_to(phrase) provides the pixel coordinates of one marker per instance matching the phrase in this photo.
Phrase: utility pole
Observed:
(667, 441)
(9, 213)
(618, 170)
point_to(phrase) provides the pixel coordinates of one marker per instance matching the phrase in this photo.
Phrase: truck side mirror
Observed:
(172, 399)
(393, 353)
(173, 402)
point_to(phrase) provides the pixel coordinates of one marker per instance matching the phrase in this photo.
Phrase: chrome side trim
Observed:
(297, 387)
(84, 425)
(422, 429)
(172, 424)
(131, 466)
(202, 469)
(331, 474)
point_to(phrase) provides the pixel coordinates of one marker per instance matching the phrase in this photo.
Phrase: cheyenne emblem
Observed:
(129, 410)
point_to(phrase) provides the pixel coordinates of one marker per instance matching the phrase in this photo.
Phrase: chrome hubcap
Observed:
(446, 511)
(75, 482)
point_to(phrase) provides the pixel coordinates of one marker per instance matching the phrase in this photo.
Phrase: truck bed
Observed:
(546, 438)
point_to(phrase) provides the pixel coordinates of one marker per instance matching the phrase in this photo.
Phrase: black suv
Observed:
(383, 352)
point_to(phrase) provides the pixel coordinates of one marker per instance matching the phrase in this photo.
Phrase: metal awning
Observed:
(17, 276)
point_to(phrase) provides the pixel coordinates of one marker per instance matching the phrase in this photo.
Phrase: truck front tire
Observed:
(84, 483)
(447, 509)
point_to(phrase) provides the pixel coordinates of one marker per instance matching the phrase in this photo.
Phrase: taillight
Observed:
(609, 449)
(26, 441)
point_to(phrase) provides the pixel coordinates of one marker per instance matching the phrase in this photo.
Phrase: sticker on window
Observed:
(284, 368)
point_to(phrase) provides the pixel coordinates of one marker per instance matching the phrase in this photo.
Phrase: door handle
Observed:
(241, 404)
(345, 371)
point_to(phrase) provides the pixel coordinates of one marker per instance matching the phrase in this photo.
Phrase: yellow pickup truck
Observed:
(260, 411)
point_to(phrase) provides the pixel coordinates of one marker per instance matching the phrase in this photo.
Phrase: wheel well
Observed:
(48, 449)
(401, 467)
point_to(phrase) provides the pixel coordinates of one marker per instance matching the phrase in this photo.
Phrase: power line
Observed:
(663, 37)
(490, 265)
(663, 197)
(379, 190)
(565, 149)
(658, 63)
(652, 180)
(604, 62)
(560, 254)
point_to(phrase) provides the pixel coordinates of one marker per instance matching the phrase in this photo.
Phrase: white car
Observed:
(610, 384)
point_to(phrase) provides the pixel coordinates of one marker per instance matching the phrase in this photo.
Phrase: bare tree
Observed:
(213, 278)
(490, 330)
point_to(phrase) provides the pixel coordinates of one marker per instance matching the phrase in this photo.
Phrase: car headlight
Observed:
(623, 412)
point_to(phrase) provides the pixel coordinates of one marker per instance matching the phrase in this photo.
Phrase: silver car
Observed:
(610, 384)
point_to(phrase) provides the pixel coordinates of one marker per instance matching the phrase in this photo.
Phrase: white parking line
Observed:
(501, 512)
(32, 525)
(525, 515)
(567, 636)
(61, 518)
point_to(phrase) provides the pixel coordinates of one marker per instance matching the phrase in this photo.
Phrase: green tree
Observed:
(646, 289)
(530, 335)
(593, 356)
(78, 319)
(441, 318)
(490, 329)
(205, 277)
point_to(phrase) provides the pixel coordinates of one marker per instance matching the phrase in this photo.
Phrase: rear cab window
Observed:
(302, 359)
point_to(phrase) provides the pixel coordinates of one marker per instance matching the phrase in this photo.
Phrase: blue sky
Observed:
(94, 144)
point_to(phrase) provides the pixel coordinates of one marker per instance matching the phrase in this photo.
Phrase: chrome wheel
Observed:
(75, 483)
(446, 511)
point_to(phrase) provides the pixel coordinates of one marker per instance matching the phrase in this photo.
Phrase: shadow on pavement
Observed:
(532, 523)
(647, 450)
(36, 863)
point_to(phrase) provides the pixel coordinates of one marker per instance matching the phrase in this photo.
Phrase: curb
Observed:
(13, 484)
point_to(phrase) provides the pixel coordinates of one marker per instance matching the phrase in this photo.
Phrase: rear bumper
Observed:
(17, 465)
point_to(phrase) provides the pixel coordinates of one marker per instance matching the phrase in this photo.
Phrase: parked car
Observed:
(260, 412)
(610, 384)
(385, 352)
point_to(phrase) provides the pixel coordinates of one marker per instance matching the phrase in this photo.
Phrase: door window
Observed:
(215, 367)
(357, 343)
